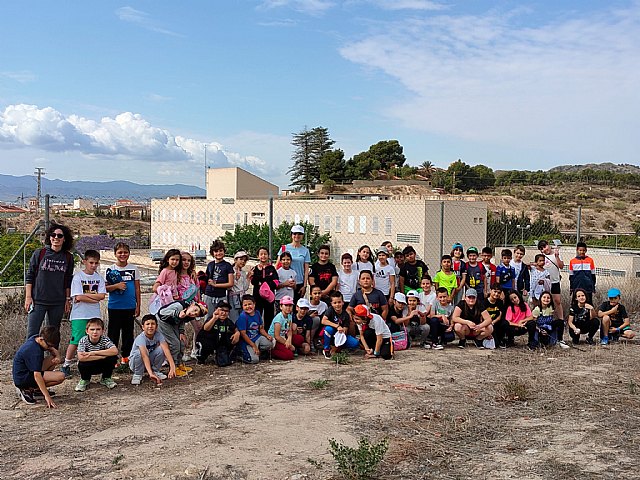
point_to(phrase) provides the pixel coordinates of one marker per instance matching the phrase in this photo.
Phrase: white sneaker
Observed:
(160, 375)
(563, 345)
(136, 379)
(186, 357)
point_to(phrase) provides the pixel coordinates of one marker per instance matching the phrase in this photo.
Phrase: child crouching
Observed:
(374, 333)
(96, 355)
(218, 336)
(150, 350)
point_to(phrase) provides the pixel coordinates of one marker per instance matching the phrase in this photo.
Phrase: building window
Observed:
(305, 219)
(218, 218)
(351, 224)
(277, 220)
(296, 218)
(246, 218)
(175, 215)
(287, 218)
(338, 224)
(192, 218)
(480, 220)
(238, 218)
(363, 224)
(374, 225)
(316, 221)
(164, 215)
(327, 223)
(387, 226)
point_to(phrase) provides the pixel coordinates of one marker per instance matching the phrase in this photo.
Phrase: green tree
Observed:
(481, 177)
(360, 166)
(255, 235)
(332, 166)
(309, 147)
(388, 153)
(9, 243)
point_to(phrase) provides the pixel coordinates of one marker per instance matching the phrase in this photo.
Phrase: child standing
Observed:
(347, 278)
(505, 274)
(124, 298)
(374, 333)
(149, 352)
(240, 285)
(459, 267)
(87, 291)
(265, 272)
(188, 290)
(218, 336)
(582, 318)
(446, 277)
(582, 272)
(287, 279)
(253, 337)
(31, 370)
(489, 270)
(385, 274)
(337, 319)
(323, 273)
(364, 260)
(540, 281)
(475, 277)
(521, 269)
(412, 270)
(97, 354)
(615, 320)
(169, 271)
(220, 276)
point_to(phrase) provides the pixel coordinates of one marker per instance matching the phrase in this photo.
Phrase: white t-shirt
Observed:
(283, 276)
(551, 265)
(517, 266)
(83, 284)
(427, 299)
(383, 278)
(390, 260)
(378, 324)
(319, 309)
(347, 284)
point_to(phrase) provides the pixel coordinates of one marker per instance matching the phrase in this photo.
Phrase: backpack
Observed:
(113, 276)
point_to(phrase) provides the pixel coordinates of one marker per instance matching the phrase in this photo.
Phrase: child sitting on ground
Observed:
(87, 291)
(374, 333)
(582, 319)
(218, 336)
(149, 352)
(281, 332)
(96, 355)
(518, 317)
(440, 326)
(254, 339)
(548, 329)
(32, 371)
(615, 320)
(302, 324)
(171, 322)
(336, 319)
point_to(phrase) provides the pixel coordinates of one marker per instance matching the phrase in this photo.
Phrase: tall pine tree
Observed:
(309, 147)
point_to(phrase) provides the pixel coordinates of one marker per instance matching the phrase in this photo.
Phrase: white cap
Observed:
(297, 229)
(399, 297)
(303, 303)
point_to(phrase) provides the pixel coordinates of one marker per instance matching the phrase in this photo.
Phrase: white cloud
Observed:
(570, 84)
(22, 76)
(312, 7)
(127, 136)
(144, 20)
(406, 4)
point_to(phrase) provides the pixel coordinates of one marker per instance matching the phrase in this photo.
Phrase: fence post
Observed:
(46, 212)
(271, 226)
(441, 229)
(579, 223)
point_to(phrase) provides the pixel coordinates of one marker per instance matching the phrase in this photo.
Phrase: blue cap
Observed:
(457, 245)
(613, 293)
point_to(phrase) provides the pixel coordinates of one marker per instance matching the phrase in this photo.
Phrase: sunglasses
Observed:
(57, 235)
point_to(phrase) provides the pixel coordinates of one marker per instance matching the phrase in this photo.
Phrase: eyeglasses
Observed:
(57, 235)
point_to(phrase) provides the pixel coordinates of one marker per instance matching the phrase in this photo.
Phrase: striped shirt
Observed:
(85, 344)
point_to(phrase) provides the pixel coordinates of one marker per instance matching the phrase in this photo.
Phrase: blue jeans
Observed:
(329, 332)
(36, 317)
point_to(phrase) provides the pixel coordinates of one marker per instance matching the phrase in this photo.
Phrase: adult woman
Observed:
(470, 320)
(300, 261)
(48, 283)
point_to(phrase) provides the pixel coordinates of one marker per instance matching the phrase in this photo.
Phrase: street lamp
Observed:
(522, 229)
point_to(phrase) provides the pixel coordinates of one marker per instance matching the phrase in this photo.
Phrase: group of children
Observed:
(380, 304)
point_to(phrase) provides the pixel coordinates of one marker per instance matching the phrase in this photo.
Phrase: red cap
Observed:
(362, 311)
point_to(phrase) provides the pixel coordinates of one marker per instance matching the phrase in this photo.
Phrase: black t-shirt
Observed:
(303, 325)
(475, 277)
(580, 315)
(618, 317)
(220, 332)
(323, 274)
(413, 274)
(494, 309)
(218, 272)
(467, 313)
(376, 298)
(342, 319)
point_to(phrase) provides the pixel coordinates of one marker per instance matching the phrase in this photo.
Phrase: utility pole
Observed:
(453, 186)
(39, 172)
(205, 169)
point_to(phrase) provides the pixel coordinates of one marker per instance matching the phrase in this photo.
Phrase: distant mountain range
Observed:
(12, 188)
(608, 166)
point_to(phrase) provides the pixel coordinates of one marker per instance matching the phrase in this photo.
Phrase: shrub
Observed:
(358, 463)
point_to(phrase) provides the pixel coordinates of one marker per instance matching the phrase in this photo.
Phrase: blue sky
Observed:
(135, 90)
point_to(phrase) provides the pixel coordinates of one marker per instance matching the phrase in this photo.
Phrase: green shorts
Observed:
(78, 330)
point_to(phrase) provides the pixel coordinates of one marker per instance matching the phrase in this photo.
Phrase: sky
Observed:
(94, 90)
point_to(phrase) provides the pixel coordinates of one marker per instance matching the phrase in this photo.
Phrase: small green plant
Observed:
(340, 357)
(122, 368)
(319, 384)
(358, 463)
(117, 459)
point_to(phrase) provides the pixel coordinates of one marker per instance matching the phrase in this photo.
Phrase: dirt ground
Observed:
(448, 414)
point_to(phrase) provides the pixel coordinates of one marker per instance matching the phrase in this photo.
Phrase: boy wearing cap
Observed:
(397, 311)
(412, 270)
(441, 328)
(218, 336)
(385, 276)
(254, 339)
(417, 319)
(323, 273)
(471, 320)
(475, 272)
(337, 319)
(614, 318)
(374, 333)
(302, 326)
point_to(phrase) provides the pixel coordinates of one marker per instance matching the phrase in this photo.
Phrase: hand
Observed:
(256, 350)
(235, 338)
(340, 329)
(56, 360)
(154, 377)
(121, 286)
(270, 338)
(615, 307)
(49, 400)
(183, 339)
(67, 306)
(27, 304)
(290, 283)
(172, 372)
(137, 312)
(302, 290)
(369, 351)
(291, 347)
(524, 293)
(588, 307)
(212, 282)
(370, 355)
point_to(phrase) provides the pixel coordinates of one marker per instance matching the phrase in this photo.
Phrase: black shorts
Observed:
(555, 288)
(30, 382)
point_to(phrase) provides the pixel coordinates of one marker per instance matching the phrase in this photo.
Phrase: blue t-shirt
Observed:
(124, 299)
(251, 324)
(299, 256)
(28, 359)
(285, 324)
(506, 276)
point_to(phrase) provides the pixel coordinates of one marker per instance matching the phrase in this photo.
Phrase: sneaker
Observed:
(479, 344)
(160, 375)
(197, 349)
(327, 354)
(438, 346)
(125, 360)
(26, 396)
(180, 372)
(427, 346)
(604, 341)
(563, 345)
(82, 385)
(37, 393)
(136, 379)
(502, 345)
(186, 357)
(108, 382)
(66, 370)
(186, 369)
(590, 341)
(462, 343)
